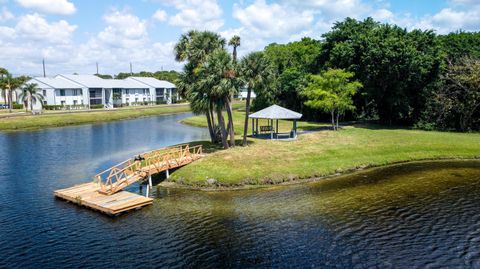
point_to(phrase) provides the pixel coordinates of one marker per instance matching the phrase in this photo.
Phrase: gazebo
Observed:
(272, 113)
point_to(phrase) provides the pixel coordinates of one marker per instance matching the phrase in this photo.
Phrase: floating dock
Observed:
(88, 195)
(106, 193)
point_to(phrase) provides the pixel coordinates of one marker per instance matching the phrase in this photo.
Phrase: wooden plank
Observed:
(87, 195)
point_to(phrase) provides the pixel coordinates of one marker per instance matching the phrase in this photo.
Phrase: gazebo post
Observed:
(253, 127)
(276, 129)
(294, 128)
(271, 129)
(256, 127)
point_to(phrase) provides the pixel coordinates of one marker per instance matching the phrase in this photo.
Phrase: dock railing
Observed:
(132, 170)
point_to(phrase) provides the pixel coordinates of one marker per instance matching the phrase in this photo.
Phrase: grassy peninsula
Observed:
(318, 154)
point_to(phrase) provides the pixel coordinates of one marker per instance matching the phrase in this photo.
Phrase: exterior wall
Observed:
(68, 97)
(131, 96)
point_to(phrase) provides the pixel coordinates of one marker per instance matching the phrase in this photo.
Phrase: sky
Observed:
(72, 36)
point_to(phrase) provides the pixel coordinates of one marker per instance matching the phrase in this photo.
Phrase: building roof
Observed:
(55, 83)
(89, 81)
(275, 112)
(124, 84)
(153, 82)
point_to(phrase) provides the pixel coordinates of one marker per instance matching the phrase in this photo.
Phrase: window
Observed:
(77, 92)
(44, 103)
(62, 103)
(62, 92)
(44, 93)
(75, 102)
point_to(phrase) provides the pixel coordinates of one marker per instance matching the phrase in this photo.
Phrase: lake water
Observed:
(414, 215)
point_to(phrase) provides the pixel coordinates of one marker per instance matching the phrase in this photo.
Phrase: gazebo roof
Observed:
(275, 112)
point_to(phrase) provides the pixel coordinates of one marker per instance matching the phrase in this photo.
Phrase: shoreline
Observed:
(116, 116)
(345, 172)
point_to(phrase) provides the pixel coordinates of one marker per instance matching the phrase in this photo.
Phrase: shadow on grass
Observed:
(379, 126)
(209, 147)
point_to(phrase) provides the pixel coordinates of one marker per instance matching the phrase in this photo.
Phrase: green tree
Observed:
(194, 48)
(455, 103)
(332, 91)
(257, 74)
(4, 84)
(30, 95)
(395, 66)
(217, 75)
(293, 62)
(457, 46)
(235, 43)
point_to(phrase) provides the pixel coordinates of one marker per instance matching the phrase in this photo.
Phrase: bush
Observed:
(96, 106)
(17, 106)
(160, 102)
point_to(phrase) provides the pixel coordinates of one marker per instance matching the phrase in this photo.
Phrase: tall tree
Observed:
(218, 75)
(235, 43)
(332, 91)
(455, 104)
(30, 95)
(193, 48)
(395, 66)
(3, 84)
(256, 73)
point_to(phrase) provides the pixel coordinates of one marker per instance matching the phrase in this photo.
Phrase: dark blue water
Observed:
(420, 215)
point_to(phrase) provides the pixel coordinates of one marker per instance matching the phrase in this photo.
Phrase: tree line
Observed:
(413, 77)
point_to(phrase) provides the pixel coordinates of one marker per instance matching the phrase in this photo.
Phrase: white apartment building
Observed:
(88, 90)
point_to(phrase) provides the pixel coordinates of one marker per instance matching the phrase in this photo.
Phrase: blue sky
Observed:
(73, 35)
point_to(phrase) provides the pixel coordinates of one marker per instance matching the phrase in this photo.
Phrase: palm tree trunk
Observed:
(210, 129)
(10, 102)
(231, 131)
(221, 122)
(247, 112)
(31, 104)
(234, 54)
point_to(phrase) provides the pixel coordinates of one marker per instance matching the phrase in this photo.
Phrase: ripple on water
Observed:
(418, 215)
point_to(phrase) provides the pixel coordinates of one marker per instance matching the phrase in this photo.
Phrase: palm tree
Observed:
(218, 75)
(256, 73)
(30, 95)
(235, 43)
(3, 83)
(194, 47)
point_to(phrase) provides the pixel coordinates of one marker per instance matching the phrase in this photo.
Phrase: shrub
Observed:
(96, 106)
(17, 106)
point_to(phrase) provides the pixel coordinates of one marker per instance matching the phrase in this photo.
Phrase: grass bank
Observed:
(47, 120)
(320, 154)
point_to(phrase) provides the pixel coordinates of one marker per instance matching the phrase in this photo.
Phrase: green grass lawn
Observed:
(320, 154)
(46, 120)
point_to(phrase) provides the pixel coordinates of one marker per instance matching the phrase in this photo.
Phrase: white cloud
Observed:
(61, 7)
(272, 20)
(125, 39)
(123, 30)
(196, 14)
(5, 14)
(34, 27)
(382, 15)
(329, 9)
(160, 15)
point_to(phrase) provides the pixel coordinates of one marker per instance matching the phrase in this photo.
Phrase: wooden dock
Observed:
(88, 195)
(106, 193)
